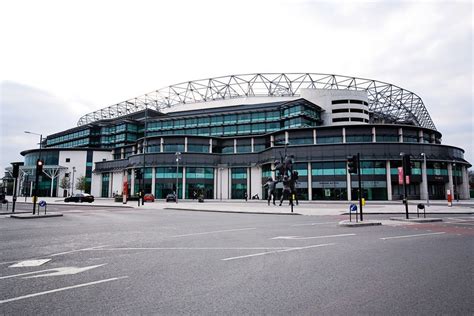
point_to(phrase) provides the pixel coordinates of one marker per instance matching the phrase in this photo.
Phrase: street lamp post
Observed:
(426, 180)
(178, 158)
(35, 197)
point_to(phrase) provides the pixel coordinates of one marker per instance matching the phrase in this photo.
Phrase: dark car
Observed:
(171, 197)
(149, 197)
(80, 197)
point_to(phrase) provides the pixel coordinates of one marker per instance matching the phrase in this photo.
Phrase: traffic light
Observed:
(39, 167)
(138, 174)
(352, 164)
(407, 165)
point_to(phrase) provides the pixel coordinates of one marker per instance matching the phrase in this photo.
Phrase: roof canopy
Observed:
(388, 101)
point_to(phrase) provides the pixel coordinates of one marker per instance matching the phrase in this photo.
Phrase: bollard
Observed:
(419, 207)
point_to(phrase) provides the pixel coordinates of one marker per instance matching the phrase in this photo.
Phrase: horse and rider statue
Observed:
(286, 175)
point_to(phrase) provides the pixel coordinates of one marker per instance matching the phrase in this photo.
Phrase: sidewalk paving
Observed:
(260, 206)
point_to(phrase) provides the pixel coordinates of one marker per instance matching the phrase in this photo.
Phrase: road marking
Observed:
(312, 237)
(213, 232)
(312, 224)
(190, 248)
(30, 263)
(408, 236)
(58, 271)
(77, 250)
(276, 251)
(60, 289)
(66, 271)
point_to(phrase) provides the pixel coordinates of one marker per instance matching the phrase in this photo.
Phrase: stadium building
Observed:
(221, 136)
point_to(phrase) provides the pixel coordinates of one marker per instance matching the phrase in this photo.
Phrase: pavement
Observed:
(261, 207)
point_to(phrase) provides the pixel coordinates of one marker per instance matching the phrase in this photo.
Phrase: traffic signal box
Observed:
(39, 167)
(138, 174)
(352, 163)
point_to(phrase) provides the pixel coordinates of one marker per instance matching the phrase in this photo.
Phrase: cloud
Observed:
(25, 108)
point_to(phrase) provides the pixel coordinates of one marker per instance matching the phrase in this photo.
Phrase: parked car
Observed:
(149, 197)
(80, 197)
(171, 197)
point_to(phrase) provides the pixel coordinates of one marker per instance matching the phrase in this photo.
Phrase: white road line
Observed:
(276, 251)
(77, 250)
(216, 231)
(22, 274)
(30, 263)
(60, 289)
(408, 236)
(312, 237)
(312, 224)
(189, 248)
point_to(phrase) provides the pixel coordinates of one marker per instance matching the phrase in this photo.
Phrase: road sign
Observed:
(353, 208)
(42, 203)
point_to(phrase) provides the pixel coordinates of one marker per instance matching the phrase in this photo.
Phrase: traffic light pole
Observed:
(360, 187)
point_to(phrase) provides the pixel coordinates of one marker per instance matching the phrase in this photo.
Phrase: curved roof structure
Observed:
(386, 101)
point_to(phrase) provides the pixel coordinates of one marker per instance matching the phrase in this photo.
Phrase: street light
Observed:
(35, 197)
(425, 174)
(178, 158)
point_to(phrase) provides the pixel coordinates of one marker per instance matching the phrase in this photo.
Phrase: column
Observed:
(349, 184)
(216, 182)
(272, 140)
(343, 135)
(424, 181)
(185, 144)
(400, 135)
(153, 177)
(287, 137)
(183, 189)
(310, 183)
(235, 145)
(389, 180)
(161, 144)
(252, 144)
(314, 137)
(210, 144)
(449, 185)
(374, 135)
(132, 183)
(465, 184)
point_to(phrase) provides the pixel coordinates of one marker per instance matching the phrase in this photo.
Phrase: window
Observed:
(357, 111)
(68, 159)
(230, 119)
(198, 148)
(358, 138)
(340, 110)
(340, 119)
(203, 121)
(230, 130)
(356, 101)
(217, 120)
(356, 119)
(191, 122)
(244, 129)
(340, 101)
(258, 128)
(258, 117)
(244, 118)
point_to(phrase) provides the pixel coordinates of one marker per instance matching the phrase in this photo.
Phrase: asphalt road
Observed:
(138, 261)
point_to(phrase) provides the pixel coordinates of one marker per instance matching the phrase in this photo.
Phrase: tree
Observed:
(81, 183)
(65, 183)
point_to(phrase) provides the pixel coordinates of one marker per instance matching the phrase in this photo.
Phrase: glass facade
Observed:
(239, 183)
(201, 181)
(329, 180)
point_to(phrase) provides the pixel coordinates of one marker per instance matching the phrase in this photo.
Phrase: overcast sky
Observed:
(62, 59)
